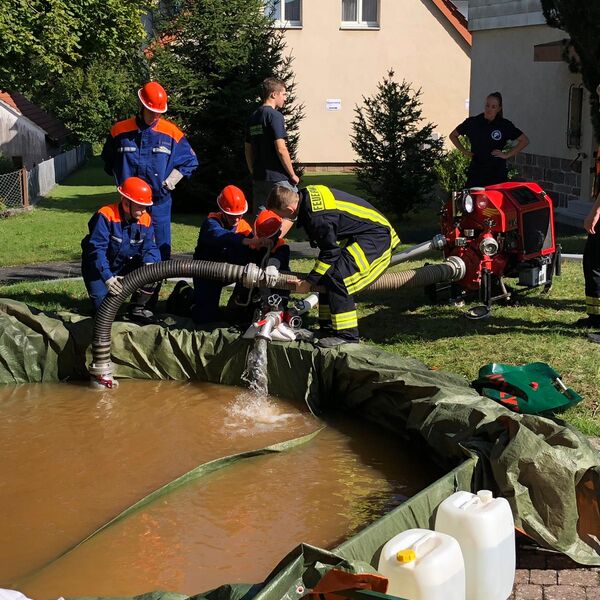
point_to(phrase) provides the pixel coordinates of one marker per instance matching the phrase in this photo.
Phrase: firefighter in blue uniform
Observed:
(154, 149)
(225, 236)
(355, 244)
(120, 239)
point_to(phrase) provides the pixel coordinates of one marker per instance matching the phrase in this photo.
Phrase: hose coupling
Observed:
(438, 241)
(272, 320)
(102, 377)
(252, 275)
(458, 266)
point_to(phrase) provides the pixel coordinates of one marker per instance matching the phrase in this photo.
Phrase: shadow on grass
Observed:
(395, 320)
(78, 203)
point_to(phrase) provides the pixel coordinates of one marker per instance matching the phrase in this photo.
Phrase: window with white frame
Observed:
(285, 13)
(360, 13)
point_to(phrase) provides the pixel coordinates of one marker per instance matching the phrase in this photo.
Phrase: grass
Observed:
(53, 230)
(535, 328)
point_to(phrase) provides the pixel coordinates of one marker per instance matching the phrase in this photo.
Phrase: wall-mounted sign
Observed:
(333, 104)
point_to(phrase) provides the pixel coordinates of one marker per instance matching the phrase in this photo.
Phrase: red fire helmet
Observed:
(136, 190)
(267, 224)
(232, 201)
(153, 96)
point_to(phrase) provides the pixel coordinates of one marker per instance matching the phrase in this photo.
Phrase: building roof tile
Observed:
(456, 18)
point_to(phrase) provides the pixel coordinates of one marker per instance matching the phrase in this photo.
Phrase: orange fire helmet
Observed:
(267, 224)
(153, 97)
(232, 201)
(136, 190)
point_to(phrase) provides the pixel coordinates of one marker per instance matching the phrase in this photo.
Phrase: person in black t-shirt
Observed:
(489, 133)
(267, 155)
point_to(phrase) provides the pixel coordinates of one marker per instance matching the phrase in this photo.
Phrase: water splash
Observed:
(252, 414)
(255, 374)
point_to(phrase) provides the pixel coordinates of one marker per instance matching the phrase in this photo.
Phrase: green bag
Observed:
(531, 389)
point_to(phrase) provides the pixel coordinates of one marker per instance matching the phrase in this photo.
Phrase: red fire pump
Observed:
(504, 230)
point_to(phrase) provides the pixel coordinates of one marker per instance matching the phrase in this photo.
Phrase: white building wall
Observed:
(535, 94)
(331, 63)
(20, 137)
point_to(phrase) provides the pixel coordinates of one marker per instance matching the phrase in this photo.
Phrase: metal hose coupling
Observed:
(253, 276)
(459, 267)
(101, 377)
(272, 320)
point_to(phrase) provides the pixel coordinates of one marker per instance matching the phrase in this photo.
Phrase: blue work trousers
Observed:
(94, 284)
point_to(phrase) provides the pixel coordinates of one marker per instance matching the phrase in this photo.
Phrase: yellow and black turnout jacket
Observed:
(355, 240)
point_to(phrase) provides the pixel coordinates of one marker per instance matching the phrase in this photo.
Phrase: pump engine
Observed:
(504, 230)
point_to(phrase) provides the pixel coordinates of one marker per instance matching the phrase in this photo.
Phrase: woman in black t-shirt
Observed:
(489, 133)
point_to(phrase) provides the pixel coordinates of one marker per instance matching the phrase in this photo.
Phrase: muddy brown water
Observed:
(71, 459)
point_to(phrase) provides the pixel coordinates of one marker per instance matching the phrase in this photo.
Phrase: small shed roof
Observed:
(54, 128)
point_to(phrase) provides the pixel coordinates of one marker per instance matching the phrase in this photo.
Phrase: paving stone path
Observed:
(548, 576)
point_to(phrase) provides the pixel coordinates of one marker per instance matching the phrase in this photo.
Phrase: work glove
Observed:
(271, 275)
(114, 285)
(173, 179)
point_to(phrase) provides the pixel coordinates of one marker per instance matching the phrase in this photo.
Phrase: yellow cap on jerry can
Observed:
(406, 556)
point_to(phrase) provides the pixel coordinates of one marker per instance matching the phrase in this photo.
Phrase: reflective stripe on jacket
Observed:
(134, 149)
(334, 220)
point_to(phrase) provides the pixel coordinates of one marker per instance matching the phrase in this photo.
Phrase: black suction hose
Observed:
(249, 276)
(101, 367)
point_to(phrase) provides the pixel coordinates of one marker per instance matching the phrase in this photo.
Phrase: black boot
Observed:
(589, 321)
(138, 307)
(334, 341)
(181, 299)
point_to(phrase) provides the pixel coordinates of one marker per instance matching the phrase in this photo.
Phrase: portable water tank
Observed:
(485, 529)
(423, 565)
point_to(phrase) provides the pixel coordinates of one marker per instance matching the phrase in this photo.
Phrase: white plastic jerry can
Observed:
(423, 565)
(485, 529)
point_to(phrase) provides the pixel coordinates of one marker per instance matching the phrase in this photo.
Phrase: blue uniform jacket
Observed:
(134, 149)
(218, 242)
(113, 242)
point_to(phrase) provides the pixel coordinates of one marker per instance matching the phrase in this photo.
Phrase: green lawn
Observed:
(53, 230)
(537, 328)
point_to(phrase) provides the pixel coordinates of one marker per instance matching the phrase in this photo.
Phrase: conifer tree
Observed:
(212, 56)
(396, 152)
(581, 20)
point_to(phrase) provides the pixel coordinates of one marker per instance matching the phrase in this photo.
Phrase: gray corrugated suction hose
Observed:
(453, 269)
(249, 276)
(101, 367)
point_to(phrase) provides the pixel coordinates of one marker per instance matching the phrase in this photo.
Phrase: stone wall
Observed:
(560, 177)
(329, 167)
